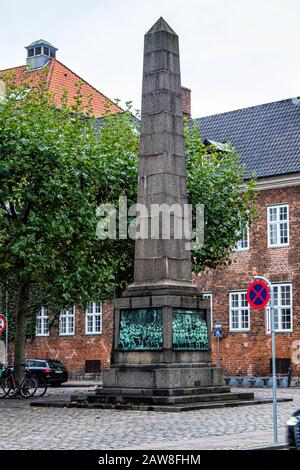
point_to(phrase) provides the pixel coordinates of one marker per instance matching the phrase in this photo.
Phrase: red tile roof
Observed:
(60, 78)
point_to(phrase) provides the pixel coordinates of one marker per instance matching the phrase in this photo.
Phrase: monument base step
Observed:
(172, 377)
(108, 398)
(169, 408)
(161, 392)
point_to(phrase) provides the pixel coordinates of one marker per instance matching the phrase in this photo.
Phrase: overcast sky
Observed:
(234, 53)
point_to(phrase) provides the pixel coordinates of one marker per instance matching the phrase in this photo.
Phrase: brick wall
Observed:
(249, 353)
(73, 351)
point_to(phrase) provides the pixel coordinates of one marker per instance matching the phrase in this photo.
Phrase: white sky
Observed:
(234, 53)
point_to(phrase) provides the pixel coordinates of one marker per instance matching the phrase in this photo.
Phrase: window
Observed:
(46, 50)
(34, 363)
(38, 50)
(239, 313)
(67, 322)
(283, 309)
(278, 225)
(93, 366)
(93, 319)
(30, 52)
(52, 53)
(243, 243)
(282, 365)
(208, 296)
(56, 364)
(42, 322)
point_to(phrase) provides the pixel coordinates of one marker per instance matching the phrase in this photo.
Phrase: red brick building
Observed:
(267, 137)
(81, 339)
(41, 55)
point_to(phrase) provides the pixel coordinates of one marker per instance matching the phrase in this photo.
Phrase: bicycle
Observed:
(42, 386)
(9, 387)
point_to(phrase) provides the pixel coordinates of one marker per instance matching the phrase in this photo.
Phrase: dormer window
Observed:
(39, 53)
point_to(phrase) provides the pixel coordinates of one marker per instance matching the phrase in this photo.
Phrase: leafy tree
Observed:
(56, 166)
(216, 179)
(52, 176)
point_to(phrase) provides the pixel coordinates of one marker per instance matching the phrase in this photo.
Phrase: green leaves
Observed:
(216, 179)
(51, 174)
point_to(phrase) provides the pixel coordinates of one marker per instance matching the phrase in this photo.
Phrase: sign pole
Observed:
(218, 333)
(274, 378)
(274, 368)
(6, 331)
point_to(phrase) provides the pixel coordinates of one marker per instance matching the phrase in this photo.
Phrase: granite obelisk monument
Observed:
(162, 263)
(162, 339)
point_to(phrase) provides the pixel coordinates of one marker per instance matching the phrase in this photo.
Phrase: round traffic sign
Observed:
(258, 294)
(2, 323)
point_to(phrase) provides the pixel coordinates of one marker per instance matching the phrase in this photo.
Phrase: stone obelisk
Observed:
(162, 263)
(162, 351)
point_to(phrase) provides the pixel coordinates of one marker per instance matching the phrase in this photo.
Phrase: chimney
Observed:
(39, 53)
(186, 101)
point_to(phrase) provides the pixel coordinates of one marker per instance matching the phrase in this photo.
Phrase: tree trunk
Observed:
(20, 329)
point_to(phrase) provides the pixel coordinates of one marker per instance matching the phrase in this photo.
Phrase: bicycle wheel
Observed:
(5, 387)
(28, 387)
(41, 388)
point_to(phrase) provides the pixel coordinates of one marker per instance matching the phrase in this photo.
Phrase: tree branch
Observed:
(26, 212)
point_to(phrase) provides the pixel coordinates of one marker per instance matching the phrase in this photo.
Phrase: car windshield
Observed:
(55, 364)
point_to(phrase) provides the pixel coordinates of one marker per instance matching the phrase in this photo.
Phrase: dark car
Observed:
(51, 370)
(293, 431)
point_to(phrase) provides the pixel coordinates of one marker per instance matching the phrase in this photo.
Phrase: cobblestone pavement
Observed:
(25, 427)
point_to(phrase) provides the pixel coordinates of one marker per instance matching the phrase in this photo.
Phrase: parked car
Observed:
(293, 431)
(52, 370)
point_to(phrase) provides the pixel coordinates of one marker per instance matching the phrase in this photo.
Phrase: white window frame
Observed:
(238, 309)
(279, 307)
(209, 296)
(43, 317)
(238, 246)
(91, 312)
(278, 224)
(67, 313)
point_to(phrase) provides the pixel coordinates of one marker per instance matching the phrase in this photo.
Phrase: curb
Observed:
(271, 447)
(78, 385)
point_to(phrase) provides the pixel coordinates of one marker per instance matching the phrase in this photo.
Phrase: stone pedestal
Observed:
(166, 379)
(166, 370)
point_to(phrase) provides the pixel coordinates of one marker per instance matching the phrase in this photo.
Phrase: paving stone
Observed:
(63, 428)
